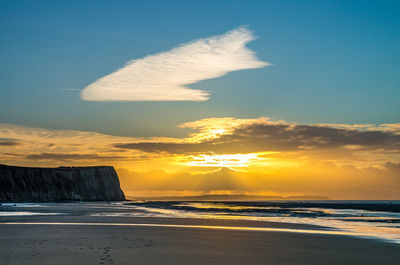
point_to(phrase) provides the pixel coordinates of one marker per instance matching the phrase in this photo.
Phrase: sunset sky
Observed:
(207, 97)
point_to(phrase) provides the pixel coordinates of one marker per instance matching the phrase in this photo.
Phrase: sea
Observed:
(367, 219)
(370, 219)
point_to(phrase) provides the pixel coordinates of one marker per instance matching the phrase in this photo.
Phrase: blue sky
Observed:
(333, 61)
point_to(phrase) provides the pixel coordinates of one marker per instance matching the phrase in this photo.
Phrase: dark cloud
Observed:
(278, 137)
(394, 167)
(9, 143)
(63, 157)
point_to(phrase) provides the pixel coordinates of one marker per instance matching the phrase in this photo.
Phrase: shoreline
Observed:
(78, 236)
(266, 228)
(119, 243)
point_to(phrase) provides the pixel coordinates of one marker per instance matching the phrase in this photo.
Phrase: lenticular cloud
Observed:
(165, 76)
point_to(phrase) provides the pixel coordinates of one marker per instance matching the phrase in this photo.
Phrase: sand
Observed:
(120, 244)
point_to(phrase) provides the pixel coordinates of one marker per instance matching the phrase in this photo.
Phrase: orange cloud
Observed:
(263, 156)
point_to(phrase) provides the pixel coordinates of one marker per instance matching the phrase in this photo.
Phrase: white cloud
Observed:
(165, 76)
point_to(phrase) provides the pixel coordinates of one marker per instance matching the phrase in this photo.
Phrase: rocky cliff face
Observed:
(23, 184)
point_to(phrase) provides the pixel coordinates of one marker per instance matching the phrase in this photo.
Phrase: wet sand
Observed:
(121, 244)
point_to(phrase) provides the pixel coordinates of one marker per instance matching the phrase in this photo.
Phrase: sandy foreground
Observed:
(112, 240)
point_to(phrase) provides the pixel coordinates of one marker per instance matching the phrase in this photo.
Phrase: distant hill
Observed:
(237, 197)
(23, 184)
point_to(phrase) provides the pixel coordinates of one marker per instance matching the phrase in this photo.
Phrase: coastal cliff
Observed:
(23, 184)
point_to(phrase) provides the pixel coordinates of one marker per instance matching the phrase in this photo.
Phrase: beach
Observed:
(80, 236)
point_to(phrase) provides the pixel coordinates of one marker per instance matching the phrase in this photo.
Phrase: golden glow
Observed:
(218, 131)
(235, 160)
(339, 172)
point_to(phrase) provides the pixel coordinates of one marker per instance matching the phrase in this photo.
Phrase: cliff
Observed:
(23, 184)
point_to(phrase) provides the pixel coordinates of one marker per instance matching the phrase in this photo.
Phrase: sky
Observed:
(255, 97)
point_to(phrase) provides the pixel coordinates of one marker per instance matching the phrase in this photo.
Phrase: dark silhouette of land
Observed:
(27, 184)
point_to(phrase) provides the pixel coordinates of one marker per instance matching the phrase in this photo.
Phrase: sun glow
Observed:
(218, 131)
(235, 160)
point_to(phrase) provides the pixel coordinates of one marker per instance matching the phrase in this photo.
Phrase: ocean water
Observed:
(371, 219)
(367, 219)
